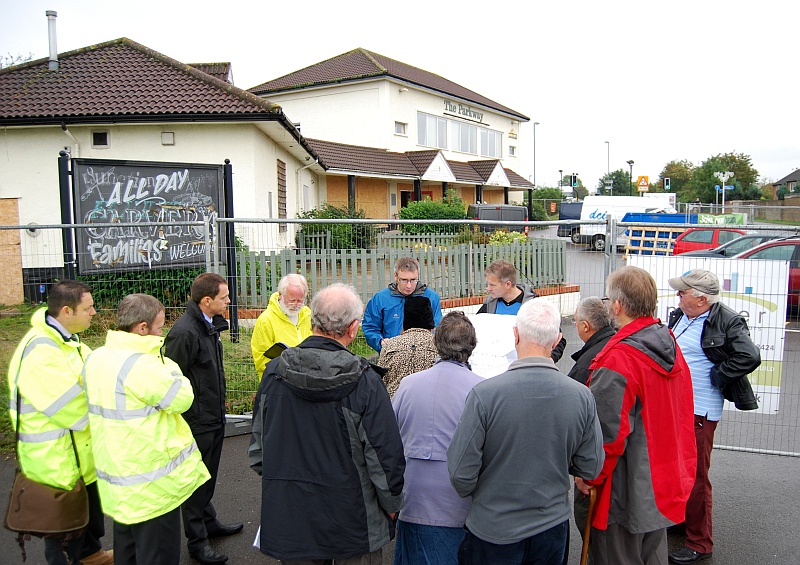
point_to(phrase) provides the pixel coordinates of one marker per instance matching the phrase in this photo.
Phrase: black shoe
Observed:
(686, 555)
(208, 556)
(225, 530)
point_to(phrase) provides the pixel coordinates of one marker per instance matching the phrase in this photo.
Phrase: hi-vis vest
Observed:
(147, 460)
(46, 371)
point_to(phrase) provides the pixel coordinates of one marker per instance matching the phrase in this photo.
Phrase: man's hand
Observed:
(582, 486)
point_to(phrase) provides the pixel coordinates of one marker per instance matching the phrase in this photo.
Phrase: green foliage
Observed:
(621, 180)
(547, 194)
(450, 208)
(679, 174)
(539, 213)
(704, 179)
(502, 236)
(782, 192)
(343, 236)
(170, 286)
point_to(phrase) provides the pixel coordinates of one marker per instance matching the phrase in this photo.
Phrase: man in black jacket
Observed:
(327, 446)
(194, 344)
(594, 326)
(716, 344)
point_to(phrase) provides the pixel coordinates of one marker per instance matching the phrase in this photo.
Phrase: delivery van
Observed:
(605, 207)
(501, 213)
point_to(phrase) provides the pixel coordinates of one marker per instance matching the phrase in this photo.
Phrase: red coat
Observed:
(643, 390)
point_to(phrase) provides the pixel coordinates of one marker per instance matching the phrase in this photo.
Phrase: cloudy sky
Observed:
(659, 81)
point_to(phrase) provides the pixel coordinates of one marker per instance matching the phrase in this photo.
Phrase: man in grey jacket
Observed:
(521, 435)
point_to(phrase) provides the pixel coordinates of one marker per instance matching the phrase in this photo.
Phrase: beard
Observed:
(290, 311)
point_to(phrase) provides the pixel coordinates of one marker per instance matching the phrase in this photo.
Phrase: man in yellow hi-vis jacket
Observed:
(45, 371)
(147, 460)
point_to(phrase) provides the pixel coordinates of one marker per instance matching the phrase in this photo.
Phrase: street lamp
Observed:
(630, 178)
(530, 191)
(608, 159)
(561, 180)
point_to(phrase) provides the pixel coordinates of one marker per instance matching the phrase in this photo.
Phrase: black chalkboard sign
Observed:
(107, 192)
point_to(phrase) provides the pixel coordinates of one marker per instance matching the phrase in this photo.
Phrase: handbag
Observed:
(35, 509)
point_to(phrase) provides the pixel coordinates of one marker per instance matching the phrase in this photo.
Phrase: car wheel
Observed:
(599, 243)
(575, 236)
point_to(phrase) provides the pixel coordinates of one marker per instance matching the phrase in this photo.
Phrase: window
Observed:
(699, 236)
(512, 151)
(726, 236)
(400, 128)
(281, 194)
(100, 140)
(776, 252)
(464, 137)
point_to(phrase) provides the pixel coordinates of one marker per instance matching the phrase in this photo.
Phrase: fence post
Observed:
(227, 173)
(66, 215)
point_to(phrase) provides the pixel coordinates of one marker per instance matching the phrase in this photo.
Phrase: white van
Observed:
(605, 207)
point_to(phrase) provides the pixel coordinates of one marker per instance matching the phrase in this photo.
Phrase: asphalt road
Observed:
(756, 511)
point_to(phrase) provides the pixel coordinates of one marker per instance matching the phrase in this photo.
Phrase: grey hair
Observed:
(292, 279)
(634, 289)
(593, 310)
(455, 337)
(710, 298)
(334, 308)
(539, 322)
(406, 264)
(137, 308)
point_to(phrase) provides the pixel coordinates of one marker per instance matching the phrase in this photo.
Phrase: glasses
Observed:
(293, 302)
(684, 293)
(605, 298)
(408, 281)
(575, 322)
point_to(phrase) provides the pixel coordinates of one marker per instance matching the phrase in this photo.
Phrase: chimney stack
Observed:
(52, 64)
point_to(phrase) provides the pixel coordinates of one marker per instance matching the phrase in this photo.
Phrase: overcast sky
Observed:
(658, 81)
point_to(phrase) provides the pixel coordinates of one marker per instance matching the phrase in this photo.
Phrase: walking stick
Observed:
(587, 528)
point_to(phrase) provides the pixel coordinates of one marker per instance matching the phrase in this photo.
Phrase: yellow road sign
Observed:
(643, 182)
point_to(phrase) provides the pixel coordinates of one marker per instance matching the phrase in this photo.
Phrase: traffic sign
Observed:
(643, 182)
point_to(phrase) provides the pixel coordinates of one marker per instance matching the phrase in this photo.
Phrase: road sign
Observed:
(643, 182)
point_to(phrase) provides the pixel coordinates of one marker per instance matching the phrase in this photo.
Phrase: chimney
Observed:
(52, 64)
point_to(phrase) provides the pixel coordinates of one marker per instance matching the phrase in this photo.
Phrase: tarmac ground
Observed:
(756, 511)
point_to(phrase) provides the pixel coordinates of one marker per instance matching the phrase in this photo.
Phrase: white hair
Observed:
(292, 280)
(539, 322)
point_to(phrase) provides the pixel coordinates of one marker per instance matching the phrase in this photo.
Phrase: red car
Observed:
(782, 250)
(695, 239)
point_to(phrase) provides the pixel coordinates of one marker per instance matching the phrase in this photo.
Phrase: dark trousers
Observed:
(698, 507)
(550, 547)
(199, 515)
(153, 542)
(616, 545)
(85, 545)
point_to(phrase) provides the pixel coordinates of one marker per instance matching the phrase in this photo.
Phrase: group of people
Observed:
(145, 415)
(415, 445)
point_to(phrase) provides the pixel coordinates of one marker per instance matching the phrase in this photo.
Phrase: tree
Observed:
(679, 174)
(11, 60)
(704, 179)
(621, 183)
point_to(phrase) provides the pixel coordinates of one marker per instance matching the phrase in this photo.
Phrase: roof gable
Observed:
(360, 64)
(122, 79)
(492, 173)
(794, 176)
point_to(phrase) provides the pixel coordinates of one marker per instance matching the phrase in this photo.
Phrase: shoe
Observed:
(99, 558)
(225, 530)
(208, 556)
(686, 555)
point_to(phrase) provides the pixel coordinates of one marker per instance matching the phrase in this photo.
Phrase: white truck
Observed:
(605, 207)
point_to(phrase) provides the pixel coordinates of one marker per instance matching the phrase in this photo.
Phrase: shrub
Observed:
(343, 236)
(450, 208)
(502, 236)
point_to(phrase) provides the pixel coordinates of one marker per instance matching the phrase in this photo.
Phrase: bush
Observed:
(343, 236)
(170, 286)
(502, 236)
(450, 208)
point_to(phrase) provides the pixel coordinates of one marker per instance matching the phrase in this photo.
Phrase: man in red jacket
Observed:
(643, 390)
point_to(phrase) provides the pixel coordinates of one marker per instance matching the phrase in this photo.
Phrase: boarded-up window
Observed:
(281, 193)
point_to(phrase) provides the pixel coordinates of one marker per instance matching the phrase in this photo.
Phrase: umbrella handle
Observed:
(587, 528)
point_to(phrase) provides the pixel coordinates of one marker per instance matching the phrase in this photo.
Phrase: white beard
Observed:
(293, 315)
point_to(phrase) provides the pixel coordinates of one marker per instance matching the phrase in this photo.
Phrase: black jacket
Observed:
(327, 446)
(726, 342)
(586, 354)
(195, 346)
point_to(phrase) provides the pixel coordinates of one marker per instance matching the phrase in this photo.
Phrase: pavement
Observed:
(756, 511)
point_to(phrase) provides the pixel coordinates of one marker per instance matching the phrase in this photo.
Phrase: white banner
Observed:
(757, 289)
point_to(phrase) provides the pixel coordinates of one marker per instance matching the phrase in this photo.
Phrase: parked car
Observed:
(570, 211)
(735, 246)
(782, 250)
(499, 212)
(696, 239)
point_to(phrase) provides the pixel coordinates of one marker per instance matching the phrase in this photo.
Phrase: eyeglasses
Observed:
(605, 298)
(408, 281)
(684, 293)
(575, 322)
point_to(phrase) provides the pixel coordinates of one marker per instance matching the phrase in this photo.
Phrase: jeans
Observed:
(417, 544)
(550, 547)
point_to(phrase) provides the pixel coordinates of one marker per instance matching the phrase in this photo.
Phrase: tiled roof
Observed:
(791, 177)
(125, 81)
(359, 159)
(221, 71)
(422, 159)
(484, 168)
(360, 64)
(370, 160)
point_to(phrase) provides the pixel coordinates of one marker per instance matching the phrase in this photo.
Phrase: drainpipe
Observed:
(77, 150)
(52, 64)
